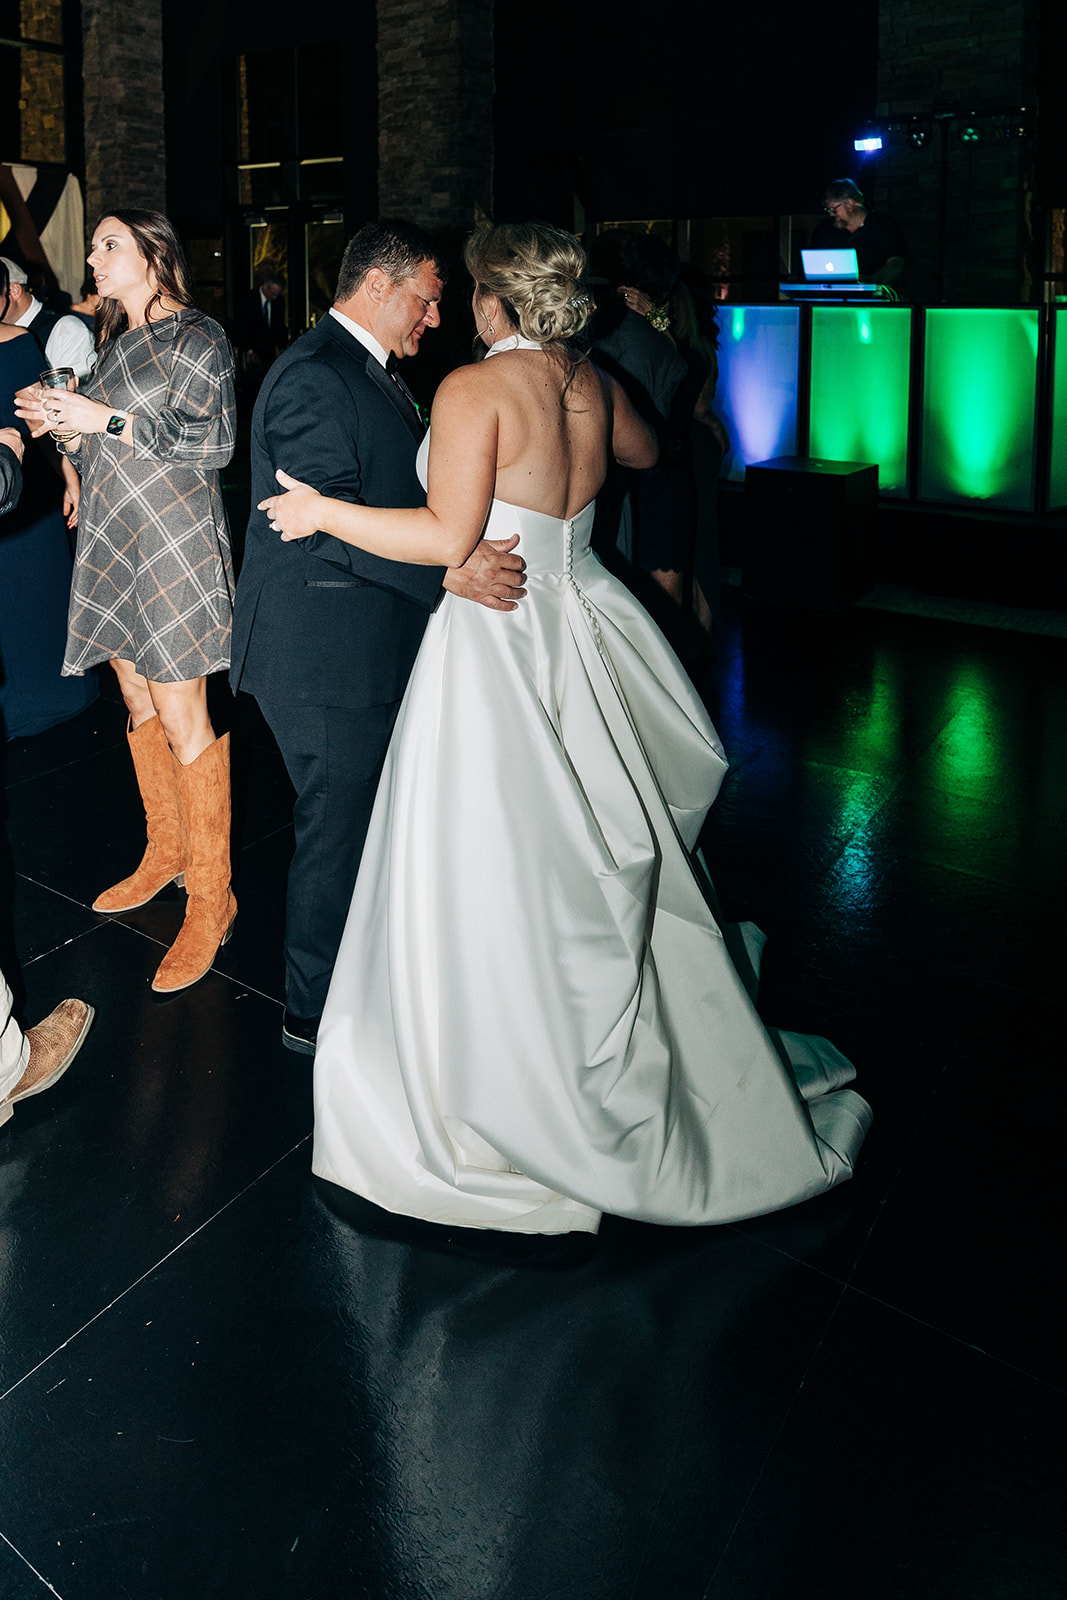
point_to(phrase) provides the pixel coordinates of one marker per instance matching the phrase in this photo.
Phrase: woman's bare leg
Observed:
(182, 711)
(181, 708)
(672, 584)
(134, 691)
(701, 609)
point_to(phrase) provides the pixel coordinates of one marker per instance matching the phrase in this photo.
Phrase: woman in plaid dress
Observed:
(153, 581)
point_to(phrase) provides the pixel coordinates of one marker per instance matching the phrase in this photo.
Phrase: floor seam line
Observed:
(17, 1552)
(153, 1268)
(955, 1338)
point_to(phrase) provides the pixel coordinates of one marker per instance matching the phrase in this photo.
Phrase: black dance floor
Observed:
(212, 1386)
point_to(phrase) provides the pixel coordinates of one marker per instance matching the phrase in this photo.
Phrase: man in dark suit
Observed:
(259, 324)
(11, 448)
(325, 635)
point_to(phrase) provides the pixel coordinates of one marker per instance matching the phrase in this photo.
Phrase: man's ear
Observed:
(376, 283)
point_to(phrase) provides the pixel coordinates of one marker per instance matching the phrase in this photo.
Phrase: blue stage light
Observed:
(872, 142)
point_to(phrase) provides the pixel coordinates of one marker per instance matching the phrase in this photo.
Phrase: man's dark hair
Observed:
(397, 248)
(272, 277)
(844, 189)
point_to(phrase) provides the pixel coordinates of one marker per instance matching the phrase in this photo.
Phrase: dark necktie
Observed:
(409, 401)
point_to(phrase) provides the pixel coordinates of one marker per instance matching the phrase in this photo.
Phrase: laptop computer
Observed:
(830, 275)
(830, 266)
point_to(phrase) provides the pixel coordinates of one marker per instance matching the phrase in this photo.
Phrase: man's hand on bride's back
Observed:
(492, 575)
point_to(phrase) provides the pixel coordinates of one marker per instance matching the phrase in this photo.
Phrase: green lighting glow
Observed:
(971, 753)
(978, 406)
(860, 359)
(738, 325)
(876, 740)
(875, 720)
(1057, 485)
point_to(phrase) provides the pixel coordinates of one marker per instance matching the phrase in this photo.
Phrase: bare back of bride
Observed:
(534, 1017)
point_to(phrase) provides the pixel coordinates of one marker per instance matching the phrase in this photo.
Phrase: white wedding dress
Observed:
(534, 1017)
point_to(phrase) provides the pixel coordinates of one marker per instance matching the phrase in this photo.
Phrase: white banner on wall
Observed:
(42, 222)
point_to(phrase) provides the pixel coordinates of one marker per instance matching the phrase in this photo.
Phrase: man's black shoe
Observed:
(298, 1033)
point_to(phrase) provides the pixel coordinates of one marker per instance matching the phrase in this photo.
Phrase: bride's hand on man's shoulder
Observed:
(295, 514)
(491, 575)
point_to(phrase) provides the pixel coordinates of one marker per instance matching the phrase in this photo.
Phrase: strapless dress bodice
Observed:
(546, 544)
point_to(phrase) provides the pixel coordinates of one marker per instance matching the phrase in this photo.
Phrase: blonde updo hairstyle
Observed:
(538, 275)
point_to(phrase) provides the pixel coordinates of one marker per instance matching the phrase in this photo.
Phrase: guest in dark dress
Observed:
(35, 570)
(652, 511)
(695, 332)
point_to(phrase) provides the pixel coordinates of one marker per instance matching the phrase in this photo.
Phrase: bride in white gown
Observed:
(534, 1017)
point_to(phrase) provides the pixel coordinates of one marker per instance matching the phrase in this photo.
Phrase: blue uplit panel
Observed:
(756, 395)
(1057, 467)
(860, 368)
(979, 402)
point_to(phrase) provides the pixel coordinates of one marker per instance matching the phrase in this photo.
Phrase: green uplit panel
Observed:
(978, 407)
(1057, 472)
(860, 366)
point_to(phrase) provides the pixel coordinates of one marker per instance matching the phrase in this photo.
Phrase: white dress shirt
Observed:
(70, 344)
(367, 340)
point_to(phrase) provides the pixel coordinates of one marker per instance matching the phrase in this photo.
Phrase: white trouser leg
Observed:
(14, 1047)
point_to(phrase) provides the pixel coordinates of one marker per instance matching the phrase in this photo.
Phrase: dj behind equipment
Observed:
(833, 275)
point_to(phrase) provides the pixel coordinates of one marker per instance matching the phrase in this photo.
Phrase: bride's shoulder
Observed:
(469, 385)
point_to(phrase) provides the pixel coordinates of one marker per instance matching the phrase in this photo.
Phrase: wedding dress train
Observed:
(534, 1017)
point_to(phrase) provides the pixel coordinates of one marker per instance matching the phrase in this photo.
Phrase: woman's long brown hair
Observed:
(161, 248)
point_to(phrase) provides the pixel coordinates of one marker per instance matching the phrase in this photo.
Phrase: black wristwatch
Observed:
(117, 423)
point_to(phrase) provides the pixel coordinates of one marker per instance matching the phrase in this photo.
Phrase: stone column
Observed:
(123, 72)
(435, 110)
(981, 56)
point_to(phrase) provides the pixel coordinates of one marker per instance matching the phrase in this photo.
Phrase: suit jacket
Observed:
(252, 331)
(318, 621)
(10, 479)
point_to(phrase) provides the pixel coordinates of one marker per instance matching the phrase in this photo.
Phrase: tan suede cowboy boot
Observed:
(204, 789)
(166, 857)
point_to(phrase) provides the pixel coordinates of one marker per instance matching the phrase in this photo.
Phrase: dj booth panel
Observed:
(757, 392)
(1057, 471)
(860, 378)
(979, 407)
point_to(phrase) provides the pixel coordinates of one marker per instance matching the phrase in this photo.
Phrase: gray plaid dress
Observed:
(153, 579)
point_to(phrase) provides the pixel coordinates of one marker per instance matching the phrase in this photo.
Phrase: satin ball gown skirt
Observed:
(534, 1017)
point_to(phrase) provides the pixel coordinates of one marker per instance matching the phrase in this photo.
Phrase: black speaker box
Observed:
(809, 531)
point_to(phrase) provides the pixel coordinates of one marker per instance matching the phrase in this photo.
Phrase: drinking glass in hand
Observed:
(60, 378)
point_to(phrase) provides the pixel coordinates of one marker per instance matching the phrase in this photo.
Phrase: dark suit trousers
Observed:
(334, 757)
